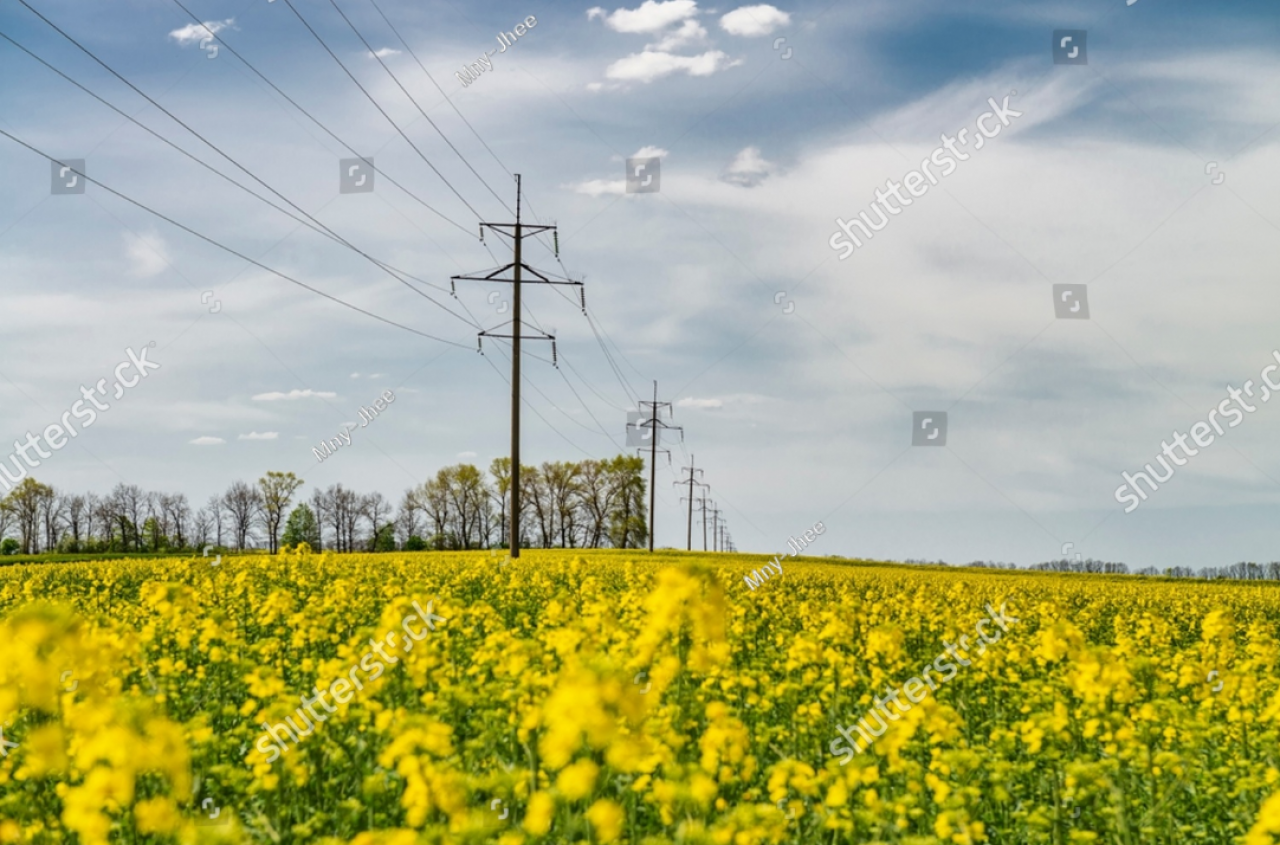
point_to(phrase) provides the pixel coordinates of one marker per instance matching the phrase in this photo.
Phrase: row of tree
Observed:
(1244, 571)
(589, 504)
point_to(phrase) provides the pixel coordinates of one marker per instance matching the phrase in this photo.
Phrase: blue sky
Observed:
(1106, 180)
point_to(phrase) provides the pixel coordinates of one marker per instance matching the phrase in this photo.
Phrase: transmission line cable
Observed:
(228, 249)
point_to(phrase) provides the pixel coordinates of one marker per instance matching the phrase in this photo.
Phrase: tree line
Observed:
(587, 504)
(1243, 571)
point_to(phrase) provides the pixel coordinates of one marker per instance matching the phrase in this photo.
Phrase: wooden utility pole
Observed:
(654, 425)
(691, 470)
(517, 231)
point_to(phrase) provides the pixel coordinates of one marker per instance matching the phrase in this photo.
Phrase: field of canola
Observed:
(595, 697)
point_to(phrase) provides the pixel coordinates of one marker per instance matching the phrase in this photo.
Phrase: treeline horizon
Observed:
(564, 504)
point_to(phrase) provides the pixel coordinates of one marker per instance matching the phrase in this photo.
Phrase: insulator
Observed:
(482, 234)
(453, 288)
(555, 236)
(553, 354)
(582, 294)
(480, 344)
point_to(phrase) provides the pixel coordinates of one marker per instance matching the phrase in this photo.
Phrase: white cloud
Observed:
(651, 65)
(355, 375)
(690, 402)
(207, 441)
(383, 53)
(600, 187)
(650, 152)
(253, 435)
(466, 456)
(650, 17)
(195, 33)
(753, 21)
(690, 32)
(294, 394)
(147, 254)
(748, 169)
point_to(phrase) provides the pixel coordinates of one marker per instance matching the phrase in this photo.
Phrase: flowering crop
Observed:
(1124, 710)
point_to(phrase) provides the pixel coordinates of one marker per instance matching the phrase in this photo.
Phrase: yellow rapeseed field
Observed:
(597, 697)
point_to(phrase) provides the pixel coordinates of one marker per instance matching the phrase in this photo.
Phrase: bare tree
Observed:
(242, 503)
(202, 528)
(375, 508)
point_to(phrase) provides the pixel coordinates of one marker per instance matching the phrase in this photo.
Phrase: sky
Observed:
(1147, 174)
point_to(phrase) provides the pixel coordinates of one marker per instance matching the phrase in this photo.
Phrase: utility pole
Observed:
(704, 523)
(517, 231)
(654, 425)
(715, 528)
(690, 469)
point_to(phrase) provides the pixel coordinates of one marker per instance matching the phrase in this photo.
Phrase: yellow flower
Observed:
(1266, 831)
(577, 780)
(537, 819)
(606, 819)
(157, 815)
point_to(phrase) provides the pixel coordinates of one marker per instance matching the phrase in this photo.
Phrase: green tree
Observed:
(301, 527)
(277, 492)
(415, 544)
(151, 533)
(384, 539)
(24, 504)
(628, 524)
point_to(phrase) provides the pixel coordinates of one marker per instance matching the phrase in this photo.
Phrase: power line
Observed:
(420, 110)
(314, 120)
(371, 99)
(655, 425)
(517, 231)
(692, 471)
(310, 221)
(225, 248)
(541, 239)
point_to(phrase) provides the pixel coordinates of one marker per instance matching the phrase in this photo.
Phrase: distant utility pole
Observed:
(690, 469)
(517, 232)
(654, 425)
(715, 528)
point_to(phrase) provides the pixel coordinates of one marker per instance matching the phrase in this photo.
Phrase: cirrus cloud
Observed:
(207, 441)
(294, 394)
